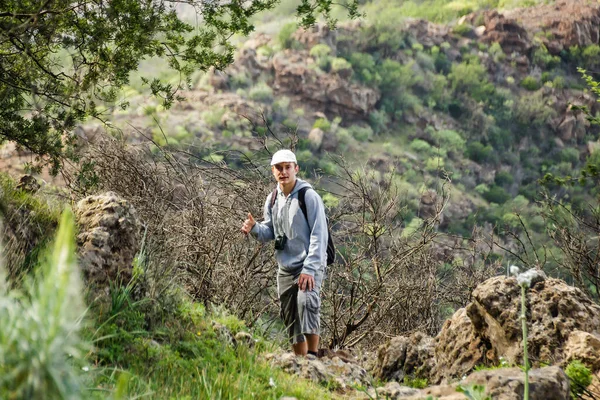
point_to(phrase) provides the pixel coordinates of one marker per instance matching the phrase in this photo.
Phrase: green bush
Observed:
(570, 155)
(261, 92)
(285, 36)
(434, 164)
(212, 117)
(544, 59)
(364, 68)
(462, 29)
(323, 124)
(580, 377)
(533, 110)
(320, 50)
(477, 152)
(496, 52)
(530, 83)
(450, 141)
(496, 195)
(420, 146)
(558, 82)
(470, 77)
(379, 121)
(339, 64)
(503, 178)
(361, 133)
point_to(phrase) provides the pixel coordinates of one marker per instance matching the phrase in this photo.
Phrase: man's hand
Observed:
(306, 282)
(248, 224)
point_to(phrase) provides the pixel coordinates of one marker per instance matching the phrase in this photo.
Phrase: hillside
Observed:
(448, 139)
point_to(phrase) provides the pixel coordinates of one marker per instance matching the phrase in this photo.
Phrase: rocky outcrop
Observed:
(28, 184)
(403, 356)
(330, 92)
(333, 371)
(556, 310)
(507, 32)
(565, 23)
(564, 325)
(108, 240)
(549, 383)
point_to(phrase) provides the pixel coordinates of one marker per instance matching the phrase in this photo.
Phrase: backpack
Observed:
(301, 194)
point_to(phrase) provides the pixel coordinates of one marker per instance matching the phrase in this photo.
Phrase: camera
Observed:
(280, 242)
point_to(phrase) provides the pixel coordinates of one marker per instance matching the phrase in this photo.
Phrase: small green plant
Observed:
(417, 383)
(473, 392)
(462, 29)
(323, 124)
(580, 377)
(286, 36)
(261, 92)
(530, 83)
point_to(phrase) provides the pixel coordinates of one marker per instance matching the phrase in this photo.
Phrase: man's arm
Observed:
(263, 231)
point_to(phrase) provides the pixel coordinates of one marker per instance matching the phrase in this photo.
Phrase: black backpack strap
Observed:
(301, 195)
(273, 197)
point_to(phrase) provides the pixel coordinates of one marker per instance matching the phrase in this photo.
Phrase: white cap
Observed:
(283, 156)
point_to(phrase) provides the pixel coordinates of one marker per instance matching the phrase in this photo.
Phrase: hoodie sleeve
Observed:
(263, 231)
(317, 225)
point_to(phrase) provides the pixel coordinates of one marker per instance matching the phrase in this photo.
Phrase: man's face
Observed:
(285, 172)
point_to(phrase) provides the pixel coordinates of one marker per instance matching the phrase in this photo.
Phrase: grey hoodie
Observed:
(306, 248)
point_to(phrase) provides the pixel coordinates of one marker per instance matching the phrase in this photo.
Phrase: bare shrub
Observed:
(576, 235)
(192, 211)
(387, 280)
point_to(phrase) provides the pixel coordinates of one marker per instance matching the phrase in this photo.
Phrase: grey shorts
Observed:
(300, 310)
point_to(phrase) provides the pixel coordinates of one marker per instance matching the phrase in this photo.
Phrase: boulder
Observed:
(322, 370)
(507, 32)
(490, 328)
(549, 383)
(28, 183)
(585, 347)
(108, 240)
(401, 356)
(315, 136)
(563, 325)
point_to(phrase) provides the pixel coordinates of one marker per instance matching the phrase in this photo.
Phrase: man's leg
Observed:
(301, 348)
(288, 298)
(312, 343)
(309, 310)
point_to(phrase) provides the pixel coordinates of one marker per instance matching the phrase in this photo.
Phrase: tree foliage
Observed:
(60, 60)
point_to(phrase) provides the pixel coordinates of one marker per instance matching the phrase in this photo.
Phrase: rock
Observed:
(315, 137)
(245, 339)
(549, 383)
(489, 327)
(392, 390)
(316, 34)
(458, 348)
(28, 183)
(403, 356)
(223, 333)
(322, 370)
(329, 92)
(108, 240)
(585, 347)
(507, 32)
(565, 23)
(566, 127)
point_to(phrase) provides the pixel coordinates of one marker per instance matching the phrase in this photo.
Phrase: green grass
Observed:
(184, 357)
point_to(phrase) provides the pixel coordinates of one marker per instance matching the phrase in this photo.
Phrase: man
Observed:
(301, 250)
